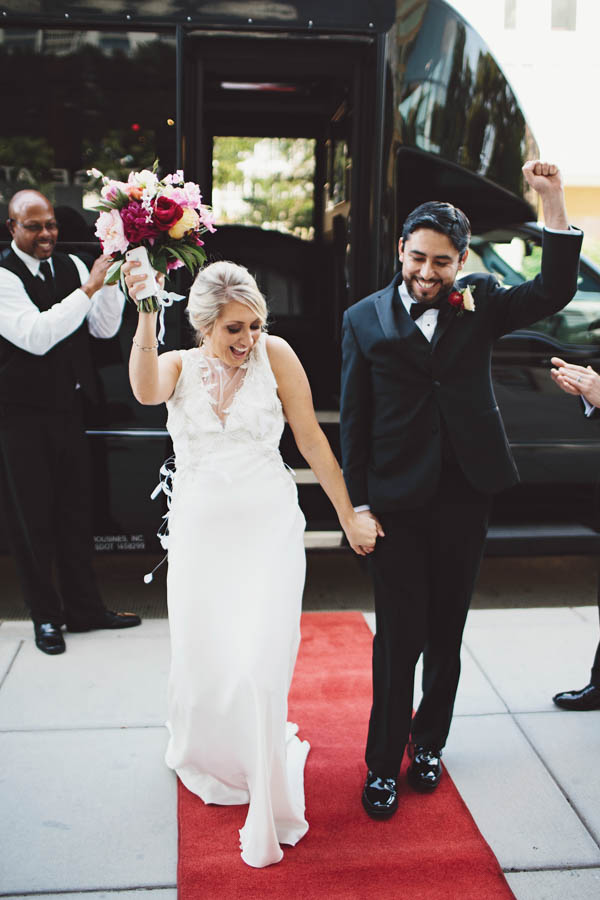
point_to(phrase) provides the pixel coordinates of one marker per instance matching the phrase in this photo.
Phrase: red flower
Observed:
(166, 213)
(455, 299)
(134, 223)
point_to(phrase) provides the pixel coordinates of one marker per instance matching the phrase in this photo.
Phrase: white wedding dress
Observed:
(235, 581)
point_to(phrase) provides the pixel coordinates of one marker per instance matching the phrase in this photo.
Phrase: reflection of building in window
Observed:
(510, 14)
(564, 15)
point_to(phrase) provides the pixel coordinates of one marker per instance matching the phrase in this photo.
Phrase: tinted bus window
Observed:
(73, 100)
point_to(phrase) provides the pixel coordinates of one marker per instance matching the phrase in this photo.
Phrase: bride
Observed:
(236, 553)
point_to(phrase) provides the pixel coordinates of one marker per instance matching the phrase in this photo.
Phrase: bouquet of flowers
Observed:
(166, 217)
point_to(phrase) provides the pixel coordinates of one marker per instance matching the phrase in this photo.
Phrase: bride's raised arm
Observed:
(152, 377)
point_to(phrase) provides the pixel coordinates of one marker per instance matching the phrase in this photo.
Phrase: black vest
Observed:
(48, 381)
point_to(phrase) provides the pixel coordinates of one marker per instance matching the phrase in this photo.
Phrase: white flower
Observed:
(144, 179)
(468, 301)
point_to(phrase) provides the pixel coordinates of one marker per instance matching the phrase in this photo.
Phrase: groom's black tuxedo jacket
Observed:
(401, 394)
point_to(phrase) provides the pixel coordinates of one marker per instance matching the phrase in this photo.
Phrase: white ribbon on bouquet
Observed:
(165, 298)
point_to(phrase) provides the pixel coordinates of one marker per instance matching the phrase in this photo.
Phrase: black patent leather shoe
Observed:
(108, 619)
(587, 698)
(425, 771)
(380, 796)
(48, 638)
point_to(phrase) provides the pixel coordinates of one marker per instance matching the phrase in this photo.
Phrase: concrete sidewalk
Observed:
(88, 805)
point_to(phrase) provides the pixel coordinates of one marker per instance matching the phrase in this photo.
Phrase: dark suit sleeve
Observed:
(355, 415)
(550, 291)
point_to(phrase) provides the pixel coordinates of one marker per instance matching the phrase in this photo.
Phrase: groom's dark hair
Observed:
(442, 217)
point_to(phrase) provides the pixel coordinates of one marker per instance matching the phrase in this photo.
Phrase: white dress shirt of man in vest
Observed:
(424, 449)
(49, 304)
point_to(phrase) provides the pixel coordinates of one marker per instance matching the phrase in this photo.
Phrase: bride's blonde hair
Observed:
(216, 285)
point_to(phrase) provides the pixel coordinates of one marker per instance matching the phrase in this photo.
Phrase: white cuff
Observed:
(589, 409)
(364, 508)
(571, 230)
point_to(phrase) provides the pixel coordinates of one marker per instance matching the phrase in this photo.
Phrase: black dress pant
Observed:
(424, 572)
(45, 491)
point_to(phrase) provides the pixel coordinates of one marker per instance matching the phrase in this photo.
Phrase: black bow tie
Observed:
(417, 309)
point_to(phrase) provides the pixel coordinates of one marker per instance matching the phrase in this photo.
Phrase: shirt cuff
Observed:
(571, 230)
(364, 508)
(589, 409)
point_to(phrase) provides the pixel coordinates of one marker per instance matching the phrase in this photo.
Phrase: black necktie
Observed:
(417, 309)
(48, 292)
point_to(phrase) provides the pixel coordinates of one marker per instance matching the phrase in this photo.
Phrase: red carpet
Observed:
(430, 850)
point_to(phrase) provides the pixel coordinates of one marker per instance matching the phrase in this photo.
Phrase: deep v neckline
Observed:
(205, 364)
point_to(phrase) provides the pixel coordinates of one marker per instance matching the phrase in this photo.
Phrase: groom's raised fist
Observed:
(543, 177)
(546, 181)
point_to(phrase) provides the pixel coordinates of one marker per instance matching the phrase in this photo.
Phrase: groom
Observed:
(424, 449)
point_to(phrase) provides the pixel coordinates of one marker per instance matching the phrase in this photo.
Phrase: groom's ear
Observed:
(462, 260)
(400, 250)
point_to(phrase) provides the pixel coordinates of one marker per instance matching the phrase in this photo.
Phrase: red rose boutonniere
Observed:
(462, 300)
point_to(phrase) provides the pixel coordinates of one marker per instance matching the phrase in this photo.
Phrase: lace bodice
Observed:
(216, 413)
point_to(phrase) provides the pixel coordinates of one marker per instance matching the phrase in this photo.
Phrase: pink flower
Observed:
(207, 219)
(174, 264)
(135, 226)
(110, 190)
(192, 194)
(109, 228)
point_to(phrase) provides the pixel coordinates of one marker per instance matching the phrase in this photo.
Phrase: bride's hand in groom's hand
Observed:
(362, 532)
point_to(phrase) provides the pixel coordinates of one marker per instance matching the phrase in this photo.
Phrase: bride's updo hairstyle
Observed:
(214, 287)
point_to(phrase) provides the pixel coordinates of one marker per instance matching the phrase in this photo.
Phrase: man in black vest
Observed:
(423, 449)
(48, 304)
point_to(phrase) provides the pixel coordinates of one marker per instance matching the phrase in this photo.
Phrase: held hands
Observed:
(134, 282)
(577, 380)
(362, 531)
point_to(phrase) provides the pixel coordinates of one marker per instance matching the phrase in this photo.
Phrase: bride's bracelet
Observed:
(145, 349)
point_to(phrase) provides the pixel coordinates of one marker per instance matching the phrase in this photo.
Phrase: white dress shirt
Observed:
(25, 326)
(427, 320)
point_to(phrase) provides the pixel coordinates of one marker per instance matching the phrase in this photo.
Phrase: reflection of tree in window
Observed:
(268, 182)
(74, 105)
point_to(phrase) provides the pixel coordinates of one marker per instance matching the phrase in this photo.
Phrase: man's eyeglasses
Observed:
(38, 227)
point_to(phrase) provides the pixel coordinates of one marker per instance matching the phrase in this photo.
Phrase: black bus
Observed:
(370, 107)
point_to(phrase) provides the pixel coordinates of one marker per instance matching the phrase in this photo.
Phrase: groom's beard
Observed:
(438, 291)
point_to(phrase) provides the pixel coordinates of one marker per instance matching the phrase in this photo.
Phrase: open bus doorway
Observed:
(274, 132)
